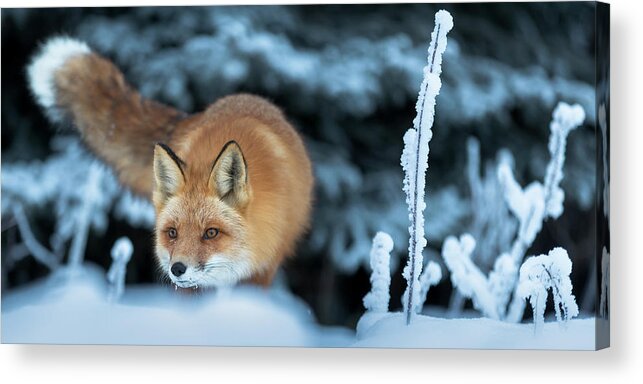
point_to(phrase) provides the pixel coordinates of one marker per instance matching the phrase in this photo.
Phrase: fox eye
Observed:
(210, 233)
(171, 233)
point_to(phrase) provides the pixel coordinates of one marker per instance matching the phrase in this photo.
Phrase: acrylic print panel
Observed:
(408, 175)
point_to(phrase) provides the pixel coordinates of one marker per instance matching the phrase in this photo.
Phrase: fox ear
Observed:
(168, 173)
(229, 176)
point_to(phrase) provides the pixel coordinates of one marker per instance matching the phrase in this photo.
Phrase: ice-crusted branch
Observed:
(415, 155)
(377, 300)
(538, 274)
(121, 254)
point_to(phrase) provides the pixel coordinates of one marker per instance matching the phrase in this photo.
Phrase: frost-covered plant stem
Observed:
(121, 254)
(37, 250)
(377, 300)
(532, 206)
(466, 276)
(431, 275)
(565, 119)
(538, 274)
(415, 156)
(83, 220)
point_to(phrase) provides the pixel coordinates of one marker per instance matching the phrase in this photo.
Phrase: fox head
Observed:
(200, 231)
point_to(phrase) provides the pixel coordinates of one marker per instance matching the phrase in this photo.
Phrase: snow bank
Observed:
(481, 333)
(71, 308)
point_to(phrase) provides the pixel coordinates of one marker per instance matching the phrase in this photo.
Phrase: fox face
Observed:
(200, 229)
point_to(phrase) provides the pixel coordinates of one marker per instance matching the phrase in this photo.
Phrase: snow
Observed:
(391, 331)
(50, 58)
(69, 307)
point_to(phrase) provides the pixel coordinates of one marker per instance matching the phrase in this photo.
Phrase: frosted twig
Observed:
(377, 300)
(83, 220)
(539, 201)
(491, 223)
(466, 276)
(415, 156)
(38, 251)
(431, 275)
(565, 119)
(538, 274)
(121, 254)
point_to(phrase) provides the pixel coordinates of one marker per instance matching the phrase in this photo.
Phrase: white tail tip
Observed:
(51, 56)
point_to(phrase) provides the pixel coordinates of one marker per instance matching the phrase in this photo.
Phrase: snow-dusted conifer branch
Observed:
(377, 299)
(415, 156)
(538, 274)
(121, 254)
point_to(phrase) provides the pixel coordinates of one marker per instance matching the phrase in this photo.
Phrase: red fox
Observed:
(231, 186)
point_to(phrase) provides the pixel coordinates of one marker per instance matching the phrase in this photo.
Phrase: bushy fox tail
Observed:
(74, 84)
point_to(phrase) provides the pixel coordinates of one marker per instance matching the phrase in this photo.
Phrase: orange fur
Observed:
(122, 128)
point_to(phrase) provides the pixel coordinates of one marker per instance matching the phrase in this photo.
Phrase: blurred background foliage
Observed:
(347, 76)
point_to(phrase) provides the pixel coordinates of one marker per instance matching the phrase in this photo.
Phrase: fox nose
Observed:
(178, 269)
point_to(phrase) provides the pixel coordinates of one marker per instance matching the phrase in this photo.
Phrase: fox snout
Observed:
(218, 270)
(185, 276)
(178, 269)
